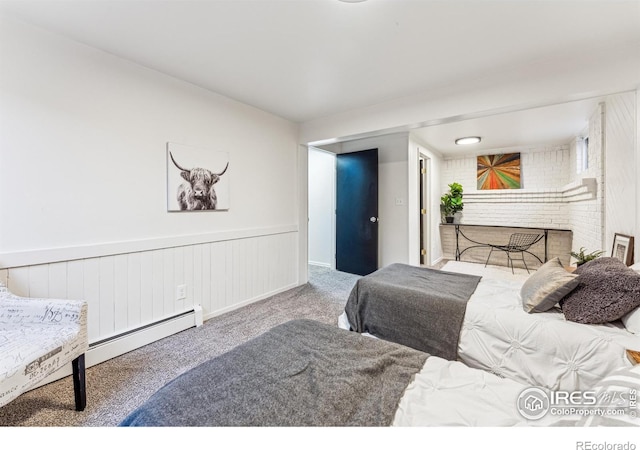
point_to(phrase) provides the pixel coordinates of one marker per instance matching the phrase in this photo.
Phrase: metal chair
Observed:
(519, 243)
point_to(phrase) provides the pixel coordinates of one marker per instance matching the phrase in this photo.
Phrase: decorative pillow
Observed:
(606, 291)
(550, 283)
(631, 321)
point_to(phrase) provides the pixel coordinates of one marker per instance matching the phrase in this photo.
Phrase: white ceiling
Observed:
(306, 59)
(555, 124)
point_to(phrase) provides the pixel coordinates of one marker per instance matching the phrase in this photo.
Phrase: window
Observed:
(582, 154)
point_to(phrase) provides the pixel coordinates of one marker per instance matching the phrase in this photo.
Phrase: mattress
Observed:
(542, 349)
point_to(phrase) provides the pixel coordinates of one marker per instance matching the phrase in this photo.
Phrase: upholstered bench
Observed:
(38, 337)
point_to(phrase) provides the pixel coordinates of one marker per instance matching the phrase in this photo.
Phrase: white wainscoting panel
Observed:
(131, 290)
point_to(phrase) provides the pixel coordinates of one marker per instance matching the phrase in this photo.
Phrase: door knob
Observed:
(373, 219)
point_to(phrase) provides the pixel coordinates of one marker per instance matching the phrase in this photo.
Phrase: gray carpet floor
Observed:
(118, 386)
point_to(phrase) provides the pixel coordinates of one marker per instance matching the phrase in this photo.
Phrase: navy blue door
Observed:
(357, 212)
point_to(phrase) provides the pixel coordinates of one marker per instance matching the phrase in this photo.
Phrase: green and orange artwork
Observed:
(501, 171)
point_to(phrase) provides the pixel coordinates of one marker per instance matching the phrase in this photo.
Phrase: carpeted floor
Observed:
(116, 387)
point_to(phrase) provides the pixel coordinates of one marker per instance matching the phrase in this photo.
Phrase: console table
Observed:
(459, 233)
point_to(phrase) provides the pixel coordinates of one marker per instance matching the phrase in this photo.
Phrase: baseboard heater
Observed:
(119, 344)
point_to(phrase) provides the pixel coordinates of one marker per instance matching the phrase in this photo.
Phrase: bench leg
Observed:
(79, 384)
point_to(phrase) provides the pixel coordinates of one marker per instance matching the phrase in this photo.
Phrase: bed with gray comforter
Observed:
(300, 373)
(418, 307)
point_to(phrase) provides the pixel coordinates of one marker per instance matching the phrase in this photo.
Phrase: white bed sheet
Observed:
(541, 349)
(448, 393)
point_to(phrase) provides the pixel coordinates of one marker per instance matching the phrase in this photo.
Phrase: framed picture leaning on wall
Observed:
(623, 248)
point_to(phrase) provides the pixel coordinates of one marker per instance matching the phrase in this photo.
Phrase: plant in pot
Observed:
(582, 257)
(451, 202)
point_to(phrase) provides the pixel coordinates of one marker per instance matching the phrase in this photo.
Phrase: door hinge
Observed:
(423, 211)
(423, 171)
(423, 252)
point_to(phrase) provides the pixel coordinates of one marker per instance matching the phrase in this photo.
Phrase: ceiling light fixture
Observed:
(468, 140)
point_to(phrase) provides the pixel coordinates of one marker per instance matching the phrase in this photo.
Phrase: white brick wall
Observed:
(542, 167)
(586, 218)
(552, 196)
(545, 170)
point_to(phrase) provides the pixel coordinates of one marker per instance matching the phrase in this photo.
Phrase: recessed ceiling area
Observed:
(555, 124)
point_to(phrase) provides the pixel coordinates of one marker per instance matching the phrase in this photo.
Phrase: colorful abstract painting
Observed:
(500, 171)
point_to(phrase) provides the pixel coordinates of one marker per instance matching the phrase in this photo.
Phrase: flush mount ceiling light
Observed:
(353, 1)
(468, 140)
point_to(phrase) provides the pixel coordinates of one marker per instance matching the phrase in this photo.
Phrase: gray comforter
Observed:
(418, 307)
(301, 373)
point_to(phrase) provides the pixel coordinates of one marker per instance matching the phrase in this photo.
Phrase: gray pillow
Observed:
(547, 286)
(607, 290)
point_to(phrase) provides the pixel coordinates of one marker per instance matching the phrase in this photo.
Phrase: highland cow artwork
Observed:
(197, 179)
(501, 171)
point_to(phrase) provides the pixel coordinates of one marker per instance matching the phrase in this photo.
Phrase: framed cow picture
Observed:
(197, 179)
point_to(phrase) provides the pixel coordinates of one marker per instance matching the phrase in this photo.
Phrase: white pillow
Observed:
(631, 321)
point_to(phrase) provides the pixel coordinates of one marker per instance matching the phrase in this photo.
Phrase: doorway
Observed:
(357, 212)
(424, 168)
(343, 210)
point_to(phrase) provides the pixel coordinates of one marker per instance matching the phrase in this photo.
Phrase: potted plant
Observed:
(582, 257)
(451, 202)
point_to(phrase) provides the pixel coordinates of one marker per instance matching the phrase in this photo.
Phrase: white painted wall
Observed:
(83, 148)
(83, 187)
(393, 207)
(322, 206)
(637, 180)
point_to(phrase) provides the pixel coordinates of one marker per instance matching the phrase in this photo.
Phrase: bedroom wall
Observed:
(637, 156)
(544, 167)
(83, 187)
(621, 202)
(612, 146)
(587, 217)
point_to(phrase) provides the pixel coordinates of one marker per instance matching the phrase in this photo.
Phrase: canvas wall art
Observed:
(501, 171)
(197, 179)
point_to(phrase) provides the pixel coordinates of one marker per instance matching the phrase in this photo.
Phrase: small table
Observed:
(460, 233)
